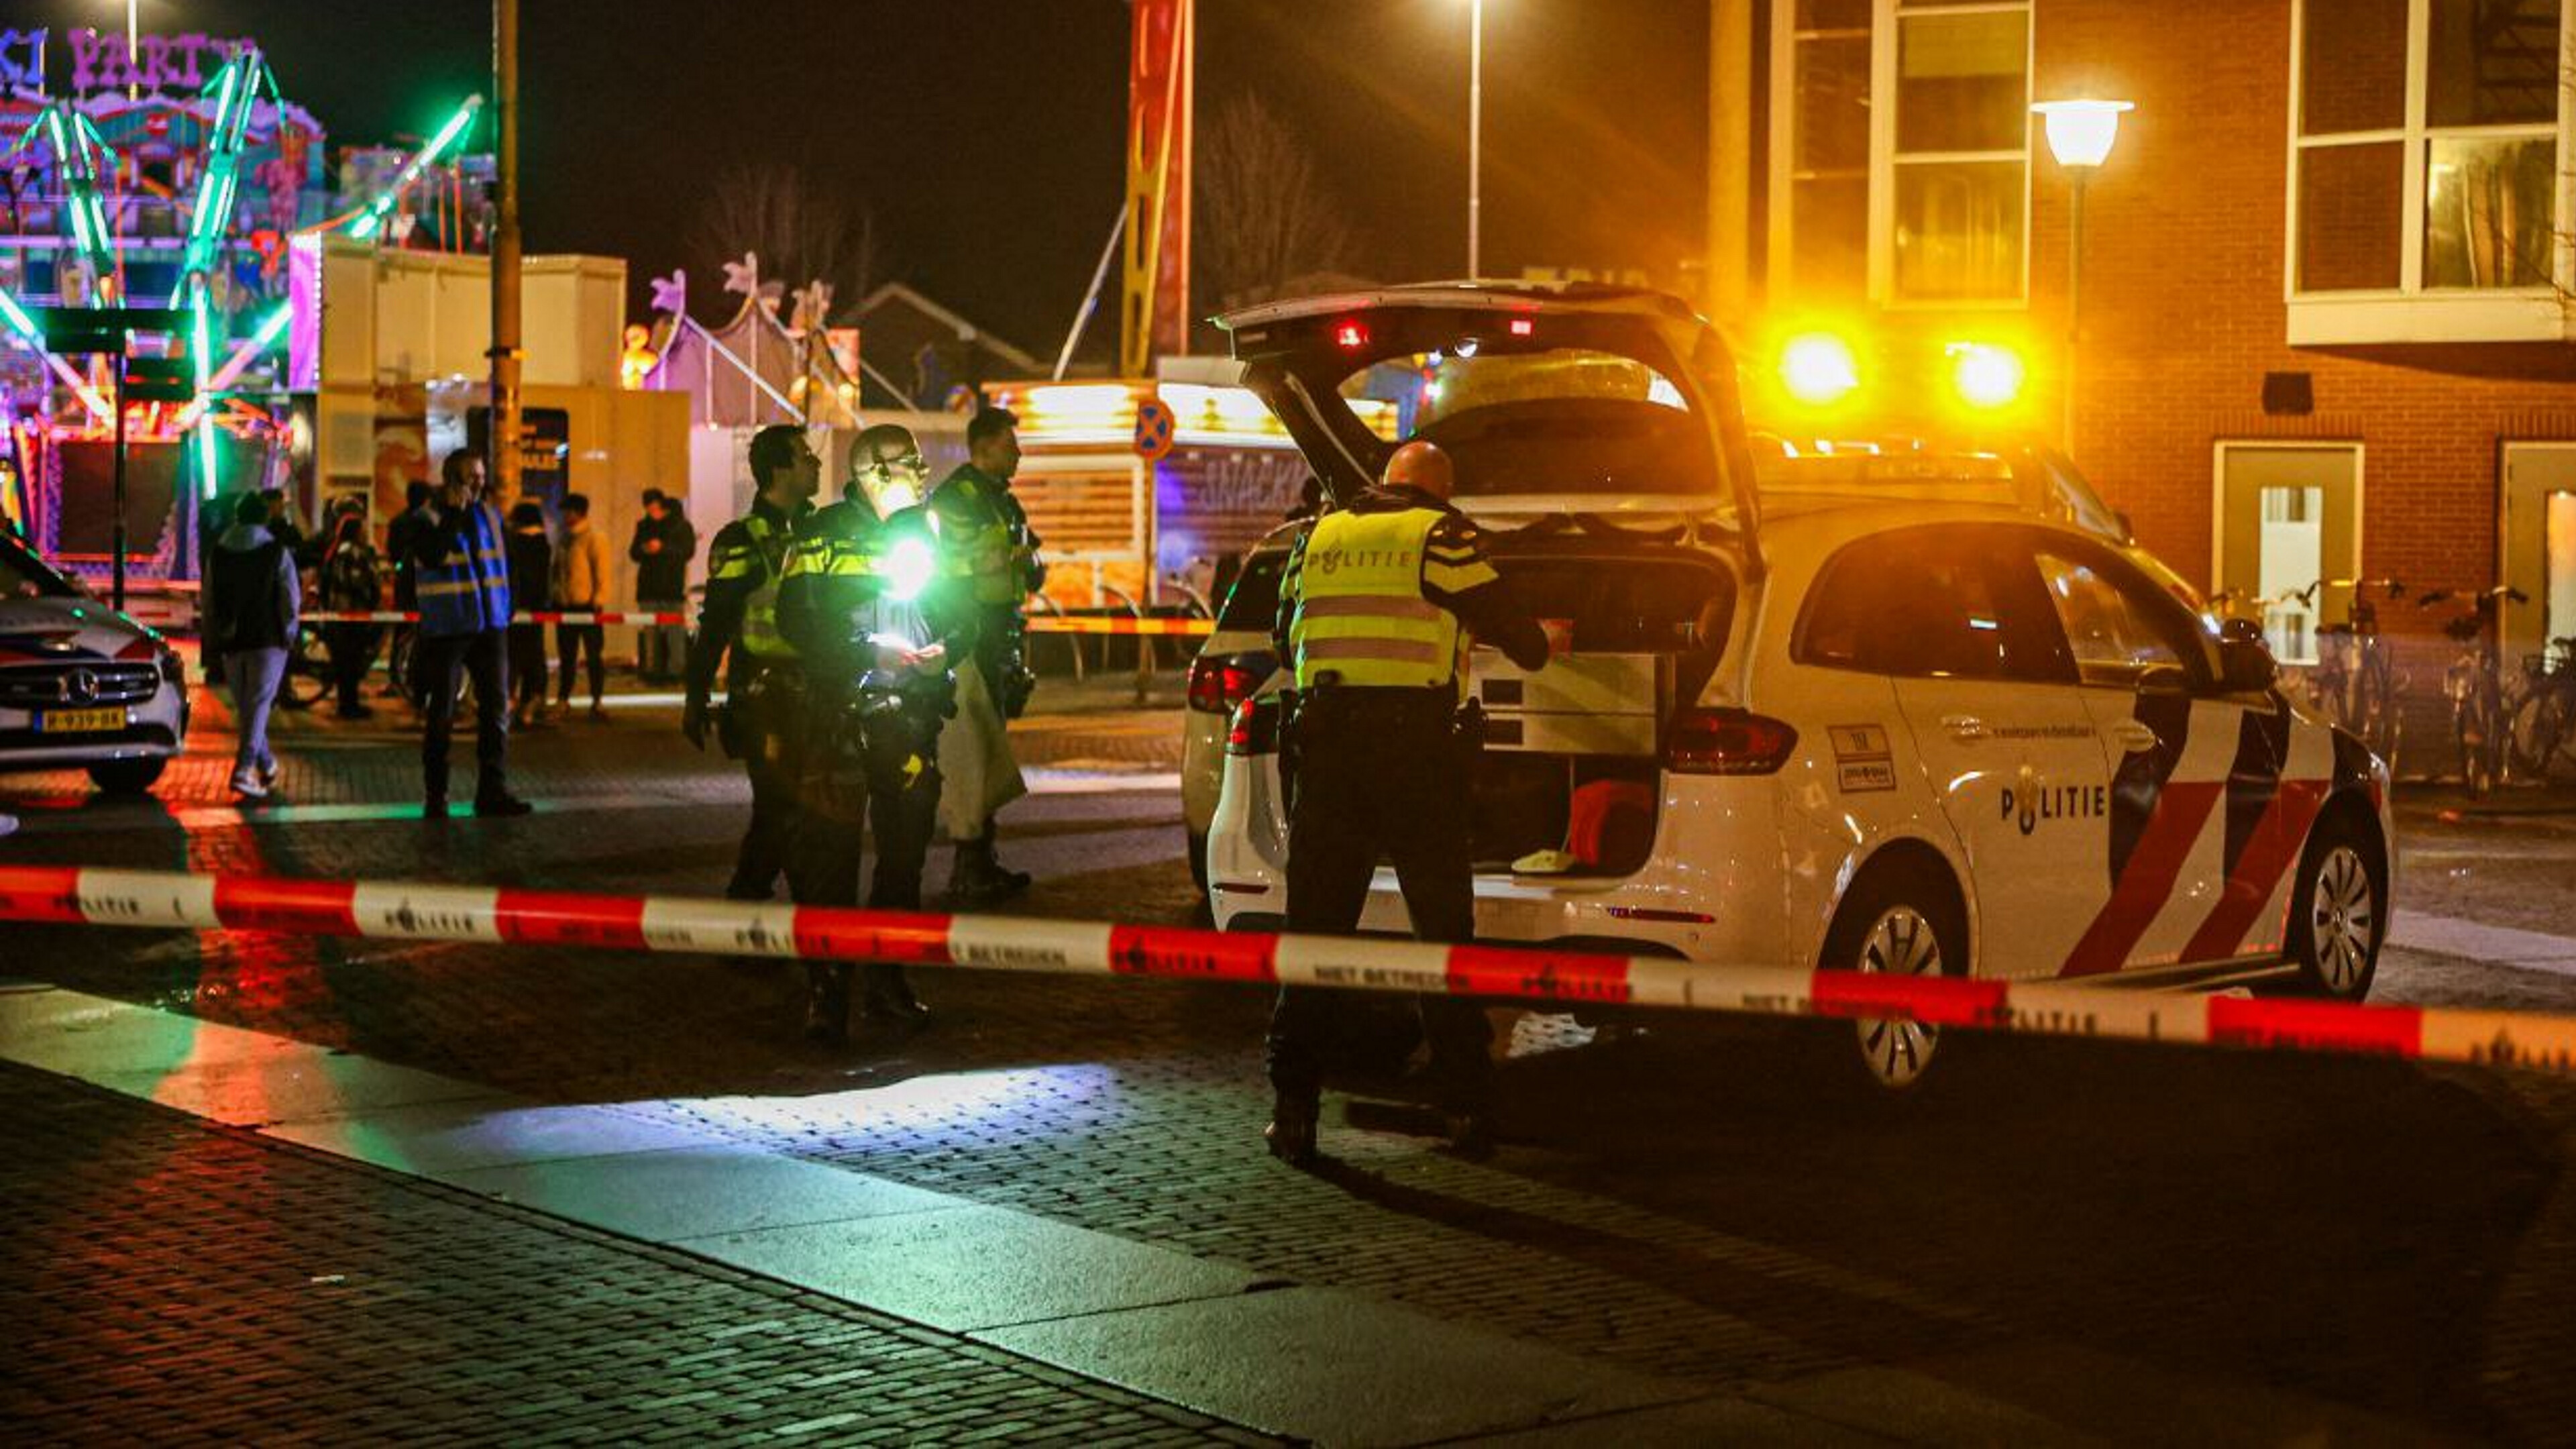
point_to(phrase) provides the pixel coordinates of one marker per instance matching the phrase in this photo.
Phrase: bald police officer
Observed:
(1374, 614)
(878, 685)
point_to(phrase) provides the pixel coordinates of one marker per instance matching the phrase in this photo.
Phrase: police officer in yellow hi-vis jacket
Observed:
(876, 650)
(1374, 615)
(764, 693)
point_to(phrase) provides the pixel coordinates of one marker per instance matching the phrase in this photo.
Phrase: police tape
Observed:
(1040, 624)
(1108, 624)
(539, 616)
(394, 910)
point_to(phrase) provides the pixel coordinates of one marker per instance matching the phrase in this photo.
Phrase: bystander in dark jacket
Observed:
(352, 582)
(663, 545)
(251, 618)
(532, 569)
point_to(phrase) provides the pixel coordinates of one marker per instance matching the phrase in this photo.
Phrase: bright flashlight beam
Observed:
(910, 566)
(374, 217)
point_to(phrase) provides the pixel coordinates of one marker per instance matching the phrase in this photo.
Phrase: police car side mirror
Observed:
(2245, 663)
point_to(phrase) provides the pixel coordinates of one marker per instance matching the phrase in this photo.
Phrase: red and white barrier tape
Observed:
(541, 616)
(1107, 624)
(1041, 624)
(393, 910)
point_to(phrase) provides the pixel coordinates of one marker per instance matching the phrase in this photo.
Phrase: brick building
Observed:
(2324, 277)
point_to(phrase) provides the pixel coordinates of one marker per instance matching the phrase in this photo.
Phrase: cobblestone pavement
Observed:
(173, 1282)
(1717, 1203)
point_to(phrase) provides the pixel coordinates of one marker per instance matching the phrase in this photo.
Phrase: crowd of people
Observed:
(253, 611)
(871, 652)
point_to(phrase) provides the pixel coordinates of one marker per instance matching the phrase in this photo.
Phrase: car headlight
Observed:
(172, 670)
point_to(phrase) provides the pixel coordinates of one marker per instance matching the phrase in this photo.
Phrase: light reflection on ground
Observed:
(930, 1105)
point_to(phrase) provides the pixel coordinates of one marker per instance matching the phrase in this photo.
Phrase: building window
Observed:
(1925, 200)
(1827, 129)
(2427, 145)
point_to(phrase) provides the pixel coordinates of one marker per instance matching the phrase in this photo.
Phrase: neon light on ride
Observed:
(33, 340)
(372, 220)
(240, 81)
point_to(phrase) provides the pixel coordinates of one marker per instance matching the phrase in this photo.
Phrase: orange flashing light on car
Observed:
(1819, 369)
(1985, 376)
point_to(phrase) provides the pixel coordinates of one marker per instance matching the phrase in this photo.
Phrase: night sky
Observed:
(987, 134)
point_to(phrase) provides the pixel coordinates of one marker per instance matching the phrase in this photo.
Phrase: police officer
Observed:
(764, 693)
(988, 538)
(1374, 610)
(878, 686)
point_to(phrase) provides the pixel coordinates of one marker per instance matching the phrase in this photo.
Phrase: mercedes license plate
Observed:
(80, 721)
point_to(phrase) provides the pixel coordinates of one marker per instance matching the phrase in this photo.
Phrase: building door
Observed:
(2289, 515)
(2539, 544)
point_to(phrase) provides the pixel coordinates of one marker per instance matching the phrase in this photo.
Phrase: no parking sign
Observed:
(1155, 427)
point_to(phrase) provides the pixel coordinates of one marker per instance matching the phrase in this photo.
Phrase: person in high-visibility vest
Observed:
(764, 694)
(993, 568)
(876, 649)
(463, 581)
(1375, 611)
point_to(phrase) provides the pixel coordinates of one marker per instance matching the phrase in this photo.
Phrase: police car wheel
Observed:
(1898, 921)
(2338, 912)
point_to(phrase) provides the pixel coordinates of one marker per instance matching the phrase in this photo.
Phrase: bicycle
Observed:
(2355, 682)
(2543, 723)
(402, 663)
(2355, 673)
(308, 670)
(2475, 686)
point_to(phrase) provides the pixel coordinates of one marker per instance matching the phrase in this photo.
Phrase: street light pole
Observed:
(2080, 134)
(1475, 136)
(116, 568)
(502, 464)
(2074, 299)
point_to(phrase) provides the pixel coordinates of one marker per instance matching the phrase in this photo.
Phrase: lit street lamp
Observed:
(1475, 135)
(2080, 134)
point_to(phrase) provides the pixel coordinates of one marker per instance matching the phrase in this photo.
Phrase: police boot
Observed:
(978, 880)
(888, 999)
(1012, 881)
(1291, 1132)
(827, 1003)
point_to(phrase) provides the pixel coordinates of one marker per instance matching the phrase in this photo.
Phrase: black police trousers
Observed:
(884, 778)
(771, 724)
(1380, 773)
(445, 662)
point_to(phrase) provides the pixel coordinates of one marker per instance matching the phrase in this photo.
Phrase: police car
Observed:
(81, 684)
(1829, 728)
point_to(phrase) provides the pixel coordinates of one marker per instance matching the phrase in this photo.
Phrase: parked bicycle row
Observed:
(2510, 720)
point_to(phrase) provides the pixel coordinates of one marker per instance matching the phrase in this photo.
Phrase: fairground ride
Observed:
(196, 187)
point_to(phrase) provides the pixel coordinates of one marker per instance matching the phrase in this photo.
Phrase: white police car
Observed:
(1861, 732)
(81, 684)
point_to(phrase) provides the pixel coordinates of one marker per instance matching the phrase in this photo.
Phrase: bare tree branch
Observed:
(802, 229)
(1264, 216)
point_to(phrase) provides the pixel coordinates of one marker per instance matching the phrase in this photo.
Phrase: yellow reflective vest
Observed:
(767, 558)
(1361, 614)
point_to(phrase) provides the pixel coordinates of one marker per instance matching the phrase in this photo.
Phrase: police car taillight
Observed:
(1255, 730)
(1218, 684)
(1727, 742)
